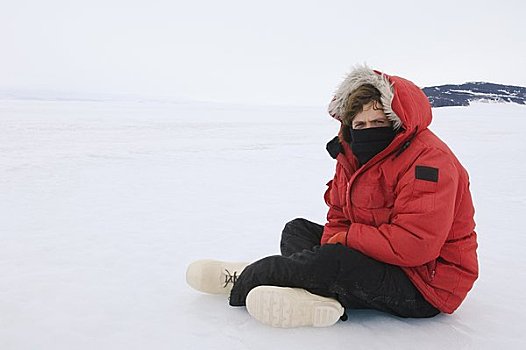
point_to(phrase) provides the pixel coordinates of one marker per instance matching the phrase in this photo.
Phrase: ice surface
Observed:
(104, 204)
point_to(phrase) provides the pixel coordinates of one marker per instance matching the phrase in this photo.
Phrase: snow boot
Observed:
(213, 276)
(292, 307)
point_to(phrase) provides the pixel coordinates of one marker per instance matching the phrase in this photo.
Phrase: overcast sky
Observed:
(269, 52)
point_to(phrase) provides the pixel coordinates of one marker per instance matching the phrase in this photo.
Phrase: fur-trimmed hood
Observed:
(404, 103)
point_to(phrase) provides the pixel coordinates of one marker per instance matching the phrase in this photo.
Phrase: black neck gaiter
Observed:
(366, 143)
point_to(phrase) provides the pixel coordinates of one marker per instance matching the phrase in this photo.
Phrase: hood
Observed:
(404, 103)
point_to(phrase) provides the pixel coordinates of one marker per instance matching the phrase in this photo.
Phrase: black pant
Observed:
(333, 270)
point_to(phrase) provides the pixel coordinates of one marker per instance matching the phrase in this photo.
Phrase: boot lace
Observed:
(230, 278)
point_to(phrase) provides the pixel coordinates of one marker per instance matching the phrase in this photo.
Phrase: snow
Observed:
(104, 204)
(489, 94)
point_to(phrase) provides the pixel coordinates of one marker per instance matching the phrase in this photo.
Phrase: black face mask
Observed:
(366, 143)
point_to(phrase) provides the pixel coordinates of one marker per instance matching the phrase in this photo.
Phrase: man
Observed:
(399, 236)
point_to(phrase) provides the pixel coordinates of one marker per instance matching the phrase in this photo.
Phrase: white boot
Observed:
(292, 307)
(213, 276)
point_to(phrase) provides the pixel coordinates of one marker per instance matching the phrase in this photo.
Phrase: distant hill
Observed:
(439, 96)
(462, 95)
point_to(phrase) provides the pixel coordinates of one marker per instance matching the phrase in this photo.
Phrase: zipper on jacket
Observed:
(406, 144)
(349, 204)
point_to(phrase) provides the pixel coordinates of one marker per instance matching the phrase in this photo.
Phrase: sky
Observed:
(254, 52)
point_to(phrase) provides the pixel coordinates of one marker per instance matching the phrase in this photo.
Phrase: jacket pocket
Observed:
(431, 270)
(423, 196)
(427, 271)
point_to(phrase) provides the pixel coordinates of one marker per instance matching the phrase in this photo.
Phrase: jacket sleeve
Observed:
(422, 215)
(336, 220)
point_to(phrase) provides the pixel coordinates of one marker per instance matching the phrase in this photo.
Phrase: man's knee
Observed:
(289, 237)
(294, 226)
(301, 226)
(298, 235)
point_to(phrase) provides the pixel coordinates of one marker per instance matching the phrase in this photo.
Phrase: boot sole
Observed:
(292, 307)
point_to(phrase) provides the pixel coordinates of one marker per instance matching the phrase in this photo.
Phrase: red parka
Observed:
(410, 205)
